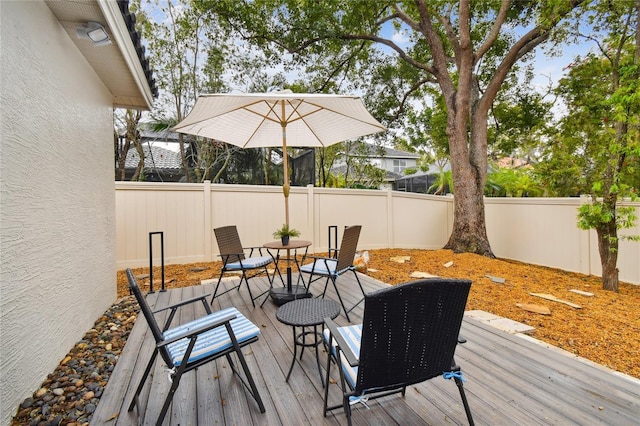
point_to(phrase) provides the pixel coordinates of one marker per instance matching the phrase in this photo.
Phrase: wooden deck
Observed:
(510, 380)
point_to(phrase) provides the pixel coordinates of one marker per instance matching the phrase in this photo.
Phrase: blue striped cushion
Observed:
(320, 267)
(250, 263)
(213, 341)
(353, 335)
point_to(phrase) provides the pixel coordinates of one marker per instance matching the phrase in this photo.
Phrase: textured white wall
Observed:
(57, 219)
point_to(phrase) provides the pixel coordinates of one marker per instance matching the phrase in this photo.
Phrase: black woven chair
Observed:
(235, 260)
(409, 334)
(189, 346)
(333, 267)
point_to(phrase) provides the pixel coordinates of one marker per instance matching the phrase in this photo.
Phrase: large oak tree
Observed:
(464, 49)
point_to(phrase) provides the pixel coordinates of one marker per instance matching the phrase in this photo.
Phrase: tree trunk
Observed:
(121, 155)
(608, 247)
(183, 157)
(467, 133)
(138, 175)
(469, 232)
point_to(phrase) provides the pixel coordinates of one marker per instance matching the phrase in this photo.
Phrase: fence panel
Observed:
(541, 231)
(530, 228)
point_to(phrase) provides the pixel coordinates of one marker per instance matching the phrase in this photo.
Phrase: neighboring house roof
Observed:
(164, 135)
(376, 151)
(155, 157)
(434, 169)
(122, 65)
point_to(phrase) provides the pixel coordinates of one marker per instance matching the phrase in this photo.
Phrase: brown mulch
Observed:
(605, 330)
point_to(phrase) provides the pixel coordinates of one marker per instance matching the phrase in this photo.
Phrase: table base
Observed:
(300, 340)
(282, 295)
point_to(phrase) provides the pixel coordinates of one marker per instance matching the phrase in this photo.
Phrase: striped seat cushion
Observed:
(352, 334)
(214, 340)
(320, 267)
(250, 263)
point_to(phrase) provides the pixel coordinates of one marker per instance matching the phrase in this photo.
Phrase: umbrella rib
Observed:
(344, 115)
(221, 114)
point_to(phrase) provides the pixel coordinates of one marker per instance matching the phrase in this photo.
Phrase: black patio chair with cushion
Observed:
(408, 335)
(333, 267)
(189, 346)
(234, 259)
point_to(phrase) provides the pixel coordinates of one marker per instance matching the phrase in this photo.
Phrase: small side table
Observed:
(307, 313)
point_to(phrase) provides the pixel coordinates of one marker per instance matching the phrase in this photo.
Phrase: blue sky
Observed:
(546, 68)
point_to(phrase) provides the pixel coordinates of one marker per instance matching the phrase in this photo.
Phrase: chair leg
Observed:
(267, 291)
(246, 281)
(361, 289)
(464, 400)
(347, 408)
(326, 284)
(326, 388)
(344, 308)
(172, 390)
(217, 285)
(147, 370)
(253, 389)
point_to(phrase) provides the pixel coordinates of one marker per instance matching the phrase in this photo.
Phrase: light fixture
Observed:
(95, 32)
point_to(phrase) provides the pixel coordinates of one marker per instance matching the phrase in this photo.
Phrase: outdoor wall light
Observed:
(95, 32)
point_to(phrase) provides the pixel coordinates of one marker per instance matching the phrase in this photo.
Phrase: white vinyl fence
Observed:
(541, 231)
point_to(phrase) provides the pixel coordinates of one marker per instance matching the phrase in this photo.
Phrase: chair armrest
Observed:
(251, 249)
(182, 303)
(352, 359)
(227, 255)
(198, 330)
(319, 257)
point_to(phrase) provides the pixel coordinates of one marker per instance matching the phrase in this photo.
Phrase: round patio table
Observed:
(290, 292)
(307, 313)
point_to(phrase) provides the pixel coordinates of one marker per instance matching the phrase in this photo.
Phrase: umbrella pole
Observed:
(285, 190)
(285, 183)
(285, 186)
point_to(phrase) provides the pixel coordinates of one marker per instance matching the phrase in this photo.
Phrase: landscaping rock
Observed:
(71, 393)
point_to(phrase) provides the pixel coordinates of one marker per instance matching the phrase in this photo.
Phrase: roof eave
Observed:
(120, 32)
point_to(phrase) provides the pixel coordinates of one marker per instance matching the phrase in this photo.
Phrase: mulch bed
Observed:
(605, 330)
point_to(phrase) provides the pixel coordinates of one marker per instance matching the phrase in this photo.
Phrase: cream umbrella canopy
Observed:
(258, 120)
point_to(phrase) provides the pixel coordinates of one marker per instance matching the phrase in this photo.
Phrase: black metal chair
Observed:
(408, 335)
(188, 346)
(235, 260)
(333, 267)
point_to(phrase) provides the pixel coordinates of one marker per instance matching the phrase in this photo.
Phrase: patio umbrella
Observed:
(258, 120)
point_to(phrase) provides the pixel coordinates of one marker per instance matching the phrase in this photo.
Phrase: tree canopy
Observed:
(464, 50)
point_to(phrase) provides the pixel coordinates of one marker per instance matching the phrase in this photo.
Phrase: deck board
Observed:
(510, 379)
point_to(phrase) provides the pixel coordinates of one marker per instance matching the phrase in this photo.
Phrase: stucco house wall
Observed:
(57, 211)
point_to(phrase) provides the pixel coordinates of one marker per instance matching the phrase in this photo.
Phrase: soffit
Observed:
(117, 64)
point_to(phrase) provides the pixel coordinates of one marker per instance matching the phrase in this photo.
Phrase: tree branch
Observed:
(523, 46)
(439, 69)
(495, 31)
(334, 72)
(417, 85)
(392, 45)
(402, 15)
(445, 20)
